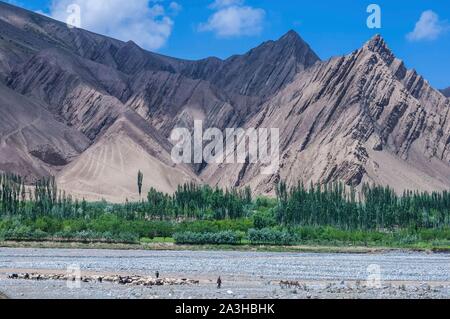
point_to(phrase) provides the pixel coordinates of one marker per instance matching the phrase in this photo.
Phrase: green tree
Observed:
(140, 179)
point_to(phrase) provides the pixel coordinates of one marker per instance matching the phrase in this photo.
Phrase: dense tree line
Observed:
(191, 198)
(375, 207)
(190, 201)
(40, 199)
(334, 205)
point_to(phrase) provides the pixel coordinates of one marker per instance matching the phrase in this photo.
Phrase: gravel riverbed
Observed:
(244, 274)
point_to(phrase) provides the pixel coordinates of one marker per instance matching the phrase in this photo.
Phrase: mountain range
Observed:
(92, 111)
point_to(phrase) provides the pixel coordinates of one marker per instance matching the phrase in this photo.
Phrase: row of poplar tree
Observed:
(40, 199)
(374, 207)
(193, 201)
(189, 201)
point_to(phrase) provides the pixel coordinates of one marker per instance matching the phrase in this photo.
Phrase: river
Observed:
(244, 274)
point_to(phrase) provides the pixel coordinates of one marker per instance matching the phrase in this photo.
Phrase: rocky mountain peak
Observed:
(300, 48)
(377, 44)
(291, 35)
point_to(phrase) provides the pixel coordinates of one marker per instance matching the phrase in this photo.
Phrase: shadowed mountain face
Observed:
(95, 110)
(32, 141)
(446, 92)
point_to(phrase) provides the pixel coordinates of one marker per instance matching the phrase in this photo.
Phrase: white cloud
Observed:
(429, 27)
(143, 21)
(175, 7)
(217, 4)
(232, 18)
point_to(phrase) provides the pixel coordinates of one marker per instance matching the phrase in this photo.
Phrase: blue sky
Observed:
(196, 29)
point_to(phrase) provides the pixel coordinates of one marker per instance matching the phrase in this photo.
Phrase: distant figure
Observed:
(157, 274)
(219, 283)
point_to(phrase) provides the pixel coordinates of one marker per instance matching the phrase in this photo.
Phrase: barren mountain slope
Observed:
(222, 93)
(88, 80)
(63, 71)
(74, 88)
(32, 141)
(266, 69)
(229, 89)
(167, 100)
(357, 118)
(77, 90)
(108, 170)
(24, 33)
